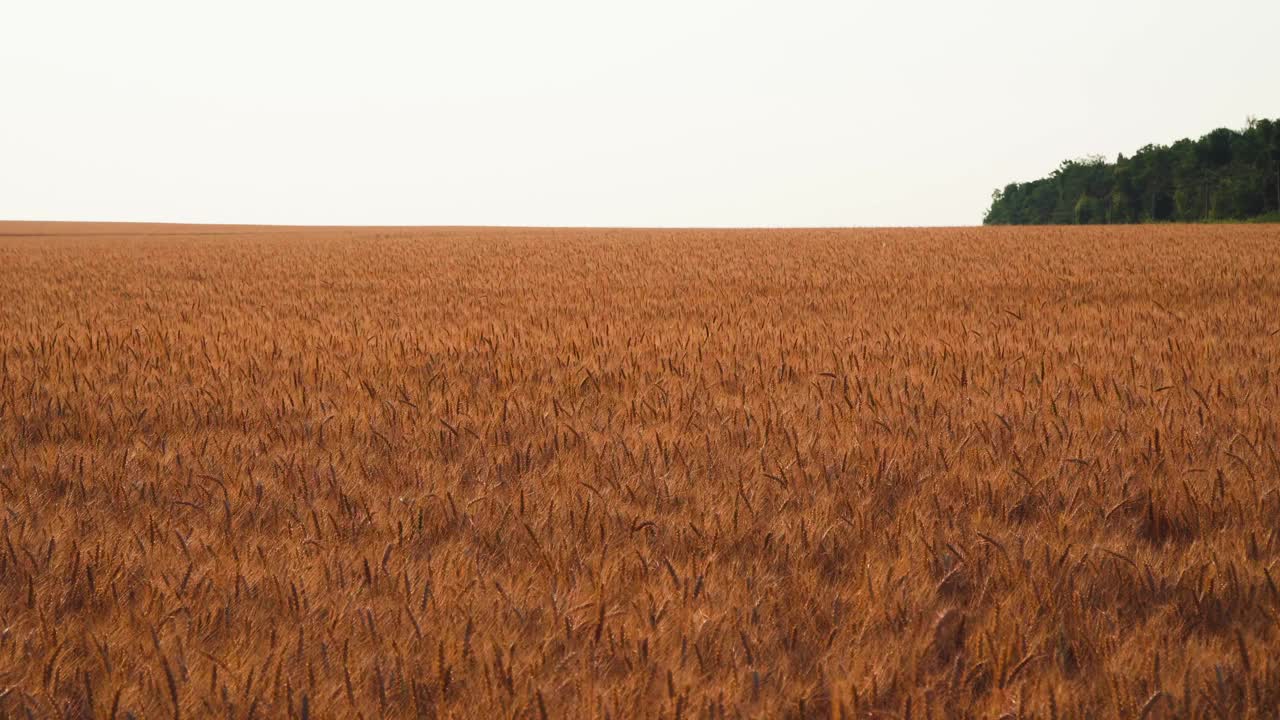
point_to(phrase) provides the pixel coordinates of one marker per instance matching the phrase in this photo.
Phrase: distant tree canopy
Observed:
(1225, 175)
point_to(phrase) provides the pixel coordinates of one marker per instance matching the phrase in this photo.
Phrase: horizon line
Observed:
(6, 226)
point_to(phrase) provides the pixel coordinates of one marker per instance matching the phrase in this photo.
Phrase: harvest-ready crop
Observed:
(1028, 472)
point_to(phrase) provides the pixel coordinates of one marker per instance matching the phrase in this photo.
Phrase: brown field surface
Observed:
(342, 472)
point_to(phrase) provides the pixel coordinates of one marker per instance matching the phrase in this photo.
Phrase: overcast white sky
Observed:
(567, 112)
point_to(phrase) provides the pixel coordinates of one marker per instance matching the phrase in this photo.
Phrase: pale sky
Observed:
(593, 112)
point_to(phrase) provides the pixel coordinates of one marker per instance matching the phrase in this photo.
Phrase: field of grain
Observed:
(1030, 473)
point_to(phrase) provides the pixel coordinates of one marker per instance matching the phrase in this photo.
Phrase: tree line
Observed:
(1225, 175)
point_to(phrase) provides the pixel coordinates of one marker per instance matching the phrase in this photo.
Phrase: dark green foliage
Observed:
(1225, 175)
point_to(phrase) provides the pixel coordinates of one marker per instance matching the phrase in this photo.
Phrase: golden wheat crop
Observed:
(1030, 473)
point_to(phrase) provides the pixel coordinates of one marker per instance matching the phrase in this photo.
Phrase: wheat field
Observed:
(395, 472)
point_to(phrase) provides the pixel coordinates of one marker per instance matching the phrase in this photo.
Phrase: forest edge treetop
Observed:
(1225, 175)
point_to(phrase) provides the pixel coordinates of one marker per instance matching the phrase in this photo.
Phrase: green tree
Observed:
(1088, 211)
(1225, 174)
